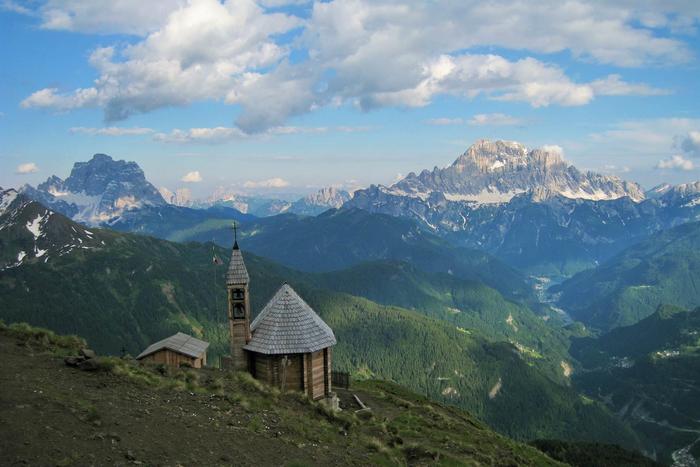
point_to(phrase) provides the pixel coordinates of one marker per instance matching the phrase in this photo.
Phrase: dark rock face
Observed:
(97, 190)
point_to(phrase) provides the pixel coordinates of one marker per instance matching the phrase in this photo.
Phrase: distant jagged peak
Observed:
(667, 191)
(328, 196)
(685, 189)
(496, 171)
(97, 190)
(489, 156)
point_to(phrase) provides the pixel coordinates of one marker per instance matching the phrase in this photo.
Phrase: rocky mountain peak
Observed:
(324, 199)
(97, 190)
(495, 171)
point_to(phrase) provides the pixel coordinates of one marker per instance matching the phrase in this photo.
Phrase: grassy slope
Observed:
(664, 269)
(656, 392)
(125, 414)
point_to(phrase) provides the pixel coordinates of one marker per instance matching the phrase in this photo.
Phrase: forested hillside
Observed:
(649, 374)
(663, 269)
(126, 291)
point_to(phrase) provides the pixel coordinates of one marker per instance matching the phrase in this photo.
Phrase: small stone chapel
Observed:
(287, 345)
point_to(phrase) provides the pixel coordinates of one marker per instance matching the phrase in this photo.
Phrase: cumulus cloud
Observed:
(496, 119)
(553, 148)
(27, 168)
(202, 51)
(614, 85)
(365, 53)
(111, 131)
(676, 163)
(15, 7)
(200, 135)
(275, 182)
(691, 143)
(223, 134)
(192, 177)
(106, 16)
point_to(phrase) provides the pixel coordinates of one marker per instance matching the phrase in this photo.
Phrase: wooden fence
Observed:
(340, 379)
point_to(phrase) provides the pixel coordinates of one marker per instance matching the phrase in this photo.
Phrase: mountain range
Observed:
(103, 191)
(122, 291)
(458, 261)
(530, 208)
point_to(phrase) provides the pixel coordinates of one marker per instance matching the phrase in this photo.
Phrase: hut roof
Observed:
(180, 343)
(237, 272)
(288, 325)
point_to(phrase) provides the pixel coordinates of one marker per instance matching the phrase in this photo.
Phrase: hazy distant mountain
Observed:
(179, 197)
(97, 190)
(322, 200)
(261, 206)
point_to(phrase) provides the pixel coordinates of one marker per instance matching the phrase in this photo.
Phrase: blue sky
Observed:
(287, 96)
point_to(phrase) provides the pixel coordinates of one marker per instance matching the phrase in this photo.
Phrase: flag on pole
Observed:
(215, 259)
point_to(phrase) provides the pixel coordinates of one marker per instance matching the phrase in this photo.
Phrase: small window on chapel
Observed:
(238, 294)
(238, 310)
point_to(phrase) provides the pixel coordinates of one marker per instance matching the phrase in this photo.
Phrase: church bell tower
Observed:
(237, 280)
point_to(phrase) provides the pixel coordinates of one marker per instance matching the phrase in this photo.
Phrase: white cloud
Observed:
(444, 121)
(496, 119)
(200, 135)
(107, 16)
(275, 182)
(648, 136)
(223, 134)
(27, 168)
(201, 52)
(554, 149)
(691, 143)
(15, 7)
(111, 131)
(367, 53)
(676, 163)
(192, 177)
(637, 144)
(613, 85)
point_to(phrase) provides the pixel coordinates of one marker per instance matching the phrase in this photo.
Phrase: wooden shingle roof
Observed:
(288, 325)
(237, 272)
(181, 343)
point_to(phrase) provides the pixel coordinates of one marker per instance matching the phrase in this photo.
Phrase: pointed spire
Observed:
(237, 272)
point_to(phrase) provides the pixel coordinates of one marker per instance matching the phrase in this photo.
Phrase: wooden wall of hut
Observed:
(310, 373)
(168, 357)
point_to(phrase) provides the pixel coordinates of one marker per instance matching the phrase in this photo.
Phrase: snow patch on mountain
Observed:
(97, 190)
(495, 172)
(7, 197)
(34, 226)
